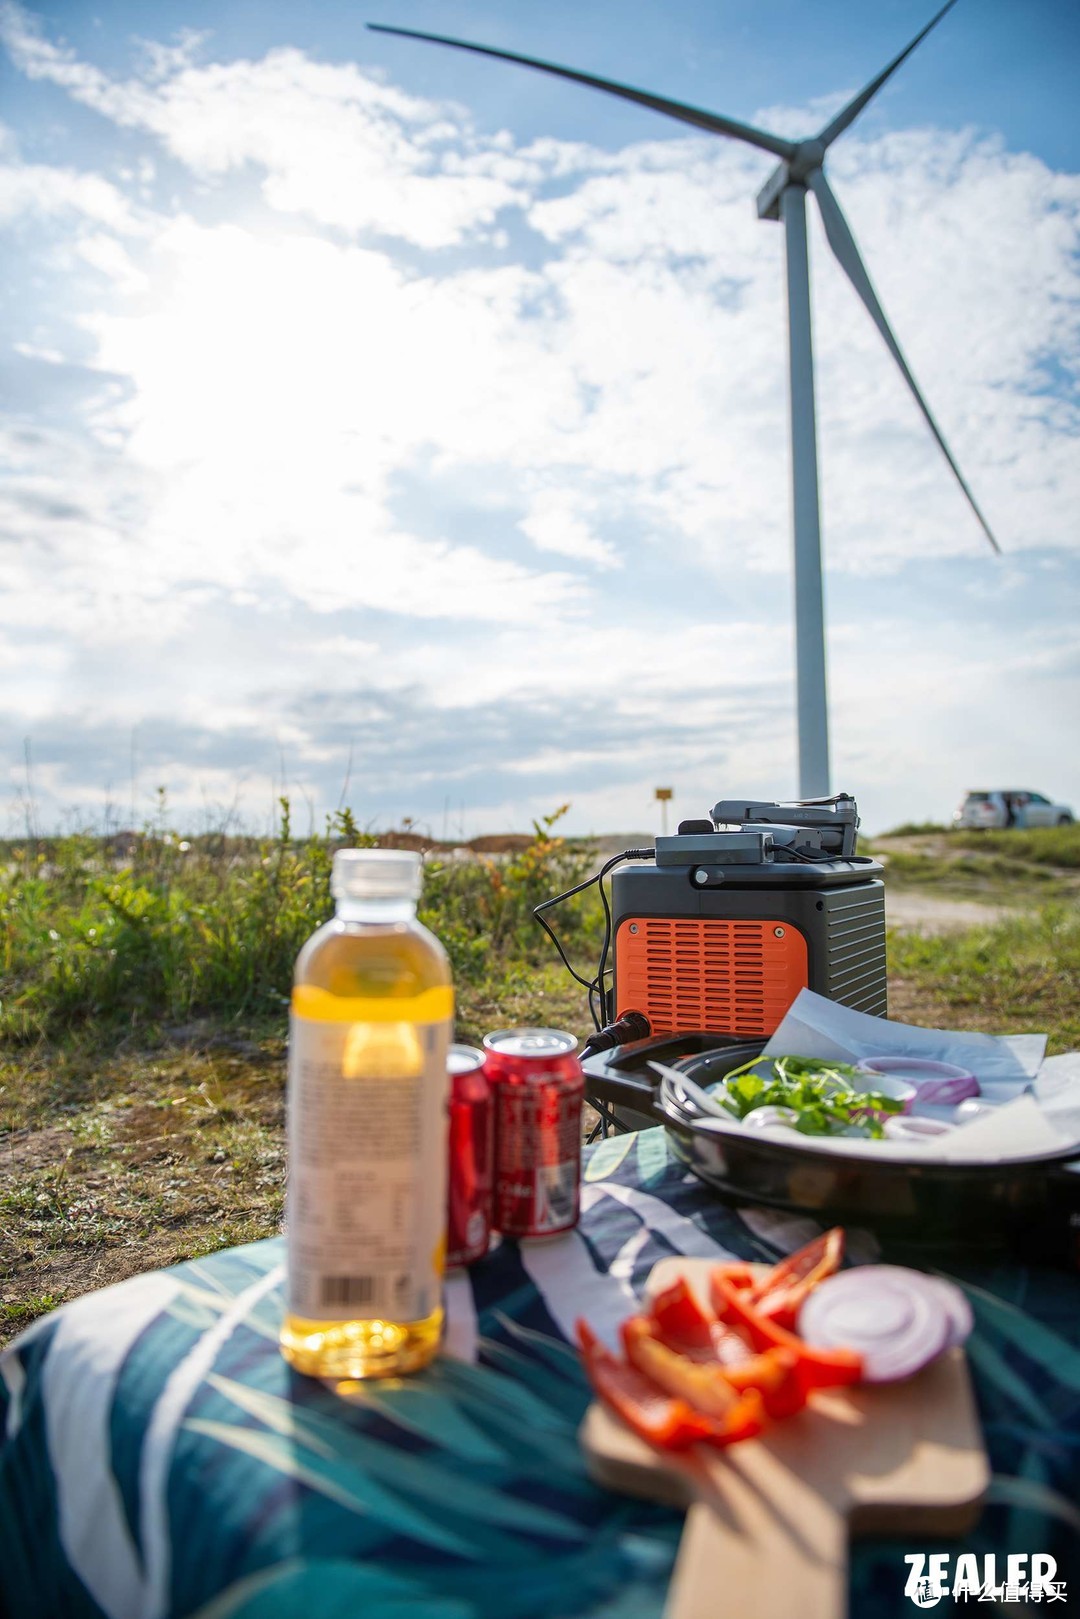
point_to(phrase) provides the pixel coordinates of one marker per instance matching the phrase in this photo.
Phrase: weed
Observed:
(20, 1312)
(1014, 868)
(1043, 846)
(912, 829)
(1057, 846)
(168, 931)
(1020, 974)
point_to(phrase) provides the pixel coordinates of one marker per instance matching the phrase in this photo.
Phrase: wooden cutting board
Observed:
(768, 1520)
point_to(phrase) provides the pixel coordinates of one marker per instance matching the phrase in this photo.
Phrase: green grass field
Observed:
(143, 996)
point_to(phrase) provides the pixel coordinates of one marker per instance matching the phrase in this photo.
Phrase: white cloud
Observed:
(335, 144)
(32, 351)
(105, 254)
(554, 524)
(42, 190)
(799, 123)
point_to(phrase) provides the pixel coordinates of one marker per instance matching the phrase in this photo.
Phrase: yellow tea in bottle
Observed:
(371, 1023)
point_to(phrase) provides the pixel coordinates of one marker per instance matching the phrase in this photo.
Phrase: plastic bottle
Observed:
(371, 1023)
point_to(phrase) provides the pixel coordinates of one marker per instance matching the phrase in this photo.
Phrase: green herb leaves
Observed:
(829, 1098)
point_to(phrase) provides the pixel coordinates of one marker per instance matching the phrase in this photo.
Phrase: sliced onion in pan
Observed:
(969, 1111)
(948, 1092)
(902, 1128)
(940, 1083)
(898, 1320)
(761, 1118)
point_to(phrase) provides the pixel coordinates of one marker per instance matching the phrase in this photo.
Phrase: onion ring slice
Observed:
(897, 1319)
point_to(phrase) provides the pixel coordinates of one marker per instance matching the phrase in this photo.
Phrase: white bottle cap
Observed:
(376, 874)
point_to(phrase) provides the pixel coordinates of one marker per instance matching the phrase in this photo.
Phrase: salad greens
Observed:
(830, 1098)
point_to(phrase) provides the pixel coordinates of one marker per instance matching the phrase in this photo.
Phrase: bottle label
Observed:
(367, 1122)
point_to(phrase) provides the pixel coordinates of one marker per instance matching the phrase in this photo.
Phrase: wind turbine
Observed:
(783, 197)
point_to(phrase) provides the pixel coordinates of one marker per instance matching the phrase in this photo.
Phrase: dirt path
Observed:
(926, 913)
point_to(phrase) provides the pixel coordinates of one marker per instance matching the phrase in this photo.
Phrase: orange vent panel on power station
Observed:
(703, 973)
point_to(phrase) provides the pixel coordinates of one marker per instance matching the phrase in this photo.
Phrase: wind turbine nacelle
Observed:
(768, 198)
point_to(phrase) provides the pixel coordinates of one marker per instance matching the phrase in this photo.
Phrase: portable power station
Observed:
(734, 915)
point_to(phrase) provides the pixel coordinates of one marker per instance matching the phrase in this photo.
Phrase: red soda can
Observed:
(538, 1085)
(472, 1157)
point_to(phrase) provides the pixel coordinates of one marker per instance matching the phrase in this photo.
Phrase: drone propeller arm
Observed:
(713, 122)
(854, 108)
(843, 245)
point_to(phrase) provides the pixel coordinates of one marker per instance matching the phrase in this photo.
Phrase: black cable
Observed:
(590, 985)
(789, 852)
(601, 973)
(595, 986)
(546, 905)
(631, 1026)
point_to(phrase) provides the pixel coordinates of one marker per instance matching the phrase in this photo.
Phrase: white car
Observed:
(1010, 806)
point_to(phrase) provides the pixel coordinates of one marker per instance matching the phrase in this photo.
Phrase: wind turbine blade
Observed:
(843, 245)
(711, 121)
(854, 108)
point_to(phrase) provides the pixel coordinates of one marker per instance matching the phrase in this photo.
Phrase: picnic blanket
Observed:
(158, 1458)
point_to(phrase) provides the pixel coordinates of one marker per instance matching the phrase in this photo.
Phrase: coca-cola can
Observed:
(538, 1086)
(472, 1158)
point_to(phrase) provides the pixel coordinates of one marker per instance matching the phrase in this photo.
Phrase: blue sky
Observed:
(369, 402)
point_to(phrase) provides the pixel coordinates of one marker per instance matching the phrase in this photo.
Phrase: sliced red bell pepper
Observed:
(737, 1271)
(653, 1415)
(745, 1420)
(680, 1317)
(815, 1368)
(686, 1326)
(702, 1384)
(664, 1420)
(735, 1414)
(781, 1292)
(775, 1375)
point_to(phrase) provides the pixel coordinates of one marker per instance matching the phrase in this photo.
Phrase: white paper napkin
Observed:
(815, 1027)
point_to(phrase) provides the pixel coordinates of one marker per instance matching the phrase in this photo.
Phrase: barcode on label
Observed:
(338, 1290)
(560, 1200)
(557, 1196)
